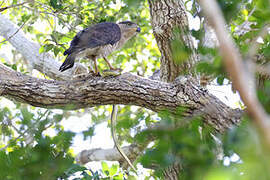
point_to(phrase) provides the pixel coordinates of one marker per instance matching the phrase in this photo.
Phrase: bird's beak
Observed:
(138, 29)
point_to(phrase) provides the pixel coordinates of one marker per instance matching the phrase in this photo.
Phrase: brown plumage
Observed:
(99, 41)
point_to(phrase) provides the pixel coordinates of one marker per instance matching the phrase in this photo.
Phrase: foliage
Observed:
(246, 20)
(35, 143)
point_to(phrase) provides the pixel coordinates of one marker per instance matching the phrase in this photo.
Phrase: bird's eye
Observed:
(129, 24)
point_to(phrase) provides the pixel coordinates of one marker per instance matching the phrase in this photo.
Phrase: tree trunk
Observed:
(172, 172)
(166, 16)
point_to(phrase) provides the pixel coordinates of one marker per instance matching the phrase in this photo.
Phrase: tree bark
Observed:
(126, 89)
(172, 172)
(166, 16)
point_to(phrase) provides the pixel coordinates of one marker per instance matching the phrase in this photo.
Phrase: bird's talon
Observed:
(97, 74)
(93, 73)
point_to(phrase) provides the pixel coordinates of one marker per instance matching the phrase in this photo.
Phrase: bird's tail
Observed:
(68, 51)
(68, 63)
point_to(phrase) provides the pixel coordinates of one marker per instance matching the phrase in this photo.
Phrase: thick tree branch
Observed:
(44, 62)
(126, 89)
(234, 66)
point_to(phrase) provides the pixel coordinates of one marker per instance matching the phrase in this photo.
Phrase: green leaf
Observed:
(56, 50)
(27, 116)
(113, 170)
(64, 39)
(105, 168)
(41, 49)
(220, 80)
(26, 17)
(14, 67)
(89, 132)
(58, 117)
(56, 4)
(74, 168)
(48, 47)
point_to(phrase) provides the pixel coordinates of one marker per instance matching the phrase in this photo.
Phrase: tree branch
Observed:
(44, 62)
(12, 6)
(126, 89)
(234, 66)
(107, 154)
(86, 156)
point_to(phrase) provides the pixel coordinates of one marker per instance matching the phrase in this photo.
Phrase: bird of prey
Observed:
(99, 41)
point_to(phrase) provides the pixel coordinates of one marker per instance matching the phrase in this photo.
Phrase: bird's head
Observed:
(129, 29)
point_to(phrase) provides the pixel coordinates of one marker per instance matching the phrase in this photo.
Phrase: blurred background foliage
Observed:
(35, 144)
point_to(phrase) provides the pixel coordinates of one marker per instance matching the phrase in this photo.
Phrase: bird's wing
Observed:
(98, 35)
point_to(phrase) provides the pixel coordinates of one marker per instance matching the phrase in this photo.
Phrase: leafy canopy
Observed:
(28, 148)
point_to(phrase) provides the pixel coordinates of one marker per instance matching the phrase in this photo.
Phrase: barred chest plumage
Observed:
(101, 51)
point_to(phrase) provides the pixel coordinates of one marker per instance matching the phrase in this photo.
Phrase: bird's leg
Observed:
(96, 68)
(94, 58)
(112, 71)
(110, 66)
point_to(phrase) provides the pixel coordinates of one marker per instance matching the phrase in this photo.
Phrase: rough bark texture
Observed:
(166, 16)
(172, 172)
(126, 89)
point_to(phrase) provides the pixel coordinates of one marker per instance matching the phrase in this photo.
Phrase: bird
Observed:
(98, 41)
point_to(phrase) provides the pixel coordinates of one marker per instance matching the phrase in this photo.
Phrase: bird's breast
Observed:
(98, 52)
(108, 49)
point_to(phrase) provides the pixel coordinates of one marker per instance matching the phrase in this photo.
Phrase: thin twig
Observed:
(12, 6)
(235, 67)
(28, 130)
(70, 27)
(14, 140)
(14, 32)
